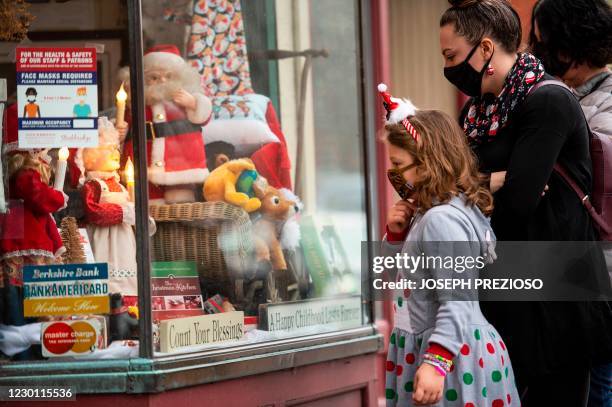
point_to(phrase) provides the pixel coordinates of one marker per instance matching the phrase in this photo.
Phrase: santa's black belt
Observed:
(173, 128)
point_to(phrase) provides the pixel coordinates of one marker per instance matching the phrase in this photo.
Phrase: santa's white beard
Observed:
(186, 78)
(161, 92)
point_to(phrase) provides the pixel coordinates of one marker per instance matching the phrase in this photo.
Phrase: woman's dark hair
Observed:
(475, 19)
(577, 30)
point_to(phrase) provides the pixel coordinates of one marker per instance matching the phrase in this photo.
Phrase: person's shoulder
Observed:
(552, 100)
(552, 90)
(441, 218)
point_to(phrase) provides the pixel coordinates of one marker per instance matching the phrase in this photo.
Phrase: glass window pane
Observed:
(68, 286)
(255, 168)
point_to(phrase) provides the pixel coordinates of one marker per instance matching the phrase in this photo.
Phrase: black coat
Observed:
(547, 128)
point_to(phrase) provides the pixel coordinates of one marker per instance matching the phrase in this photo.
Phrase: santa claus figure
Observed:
(176, 110)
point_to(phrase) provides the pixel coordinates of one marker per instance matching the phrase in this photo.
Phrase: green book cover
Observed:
(314, 256)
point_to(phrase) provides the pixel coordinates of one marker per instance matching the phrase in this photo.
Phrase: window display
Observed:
(238, 255)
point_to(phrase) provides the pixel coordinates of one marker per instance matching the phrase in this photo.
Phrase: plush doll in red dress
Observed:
(109, 213)
(28, 233)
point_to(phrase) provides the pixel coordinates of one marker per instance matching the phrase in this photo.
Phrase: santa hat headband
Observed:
(398, 111)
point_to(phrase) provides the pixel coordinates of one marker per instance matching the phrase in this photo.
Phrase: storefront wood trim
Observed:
(152, 376)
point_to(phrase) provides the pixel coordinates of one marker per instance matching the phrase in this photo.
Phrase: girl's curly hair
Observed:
(578, 30)
(446, 164)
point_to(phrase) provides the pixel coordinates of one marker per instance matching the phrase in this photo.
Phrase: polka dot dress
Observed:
(481, 375)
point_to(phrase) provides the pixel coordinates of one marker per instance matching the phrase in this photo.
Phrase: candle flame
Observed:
(63, 153)
(121, 94)
(129, 170)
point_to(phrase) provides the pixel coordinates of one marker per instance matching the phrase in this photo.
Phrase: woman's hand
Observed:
(428, 385)
(497, 181)
(399, 216)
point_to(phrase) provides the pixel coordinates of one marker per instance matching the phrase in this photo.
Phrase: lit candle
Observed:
(129, 178)
(60, 171)
(121, 98)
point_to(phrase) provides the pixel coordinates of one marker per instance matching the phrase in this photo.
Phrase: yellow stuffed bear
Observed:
(221, 185)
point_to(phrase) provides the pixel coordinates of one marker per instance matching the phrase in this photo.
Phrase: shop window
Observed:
(253, 140)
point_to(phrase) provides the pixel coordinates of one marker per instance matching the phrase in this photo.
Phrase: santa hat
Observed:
(165, 56)
(397, 109)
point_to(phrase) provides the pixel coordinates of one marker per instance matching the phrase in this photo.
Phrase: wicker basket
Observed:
(216, 235)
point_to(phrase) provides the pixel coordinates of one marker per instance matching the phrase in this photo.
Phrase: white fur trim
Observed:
(404, 109)
(179, 195)
(157, 201)
(158, 148)
(27, 253)
(382, 87)
(159, 113)
(203, 109)
(60, 251)
(290, 235)
(163, 60)
(159, 176)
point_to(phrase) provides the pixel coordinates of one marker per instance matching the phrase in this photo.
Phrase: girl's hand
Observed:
(398, 217)
(497, 181)
(428, 385)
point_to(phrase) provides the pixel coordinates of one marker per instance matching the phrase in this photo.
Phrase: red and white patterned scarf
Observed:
(487, 114)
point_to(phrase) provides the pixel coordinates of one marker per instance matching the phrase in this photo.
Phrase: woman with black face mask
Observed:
(573, 39)
(519, 131)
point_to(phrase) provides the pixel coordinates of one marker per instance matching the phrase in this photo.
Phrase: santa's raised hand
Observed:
(184, 99)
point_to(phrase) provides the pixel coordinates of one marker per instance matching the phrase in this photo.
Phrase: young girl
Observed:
(441, 352)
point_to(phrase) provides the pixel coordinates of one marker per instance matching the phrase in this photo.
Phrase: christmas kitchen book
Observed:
(175, 290)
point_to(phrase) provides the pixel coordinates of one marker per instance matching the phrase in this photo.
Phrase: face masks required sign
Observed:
(57, 97)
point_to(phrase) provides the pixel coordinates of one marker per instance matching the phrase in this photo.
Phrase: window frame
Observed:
(149, 373)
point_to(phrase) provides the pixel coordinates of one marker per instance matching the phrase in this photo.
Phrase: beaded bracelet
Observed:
(444, 363)
(439, 369)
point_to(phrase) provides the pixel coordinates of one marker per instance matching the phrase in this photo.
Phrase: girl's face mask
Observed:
(404, 188)
(31, 98)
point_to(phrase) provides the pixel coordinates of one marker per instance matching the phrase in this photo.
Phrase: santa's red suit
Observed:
(175, 146)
